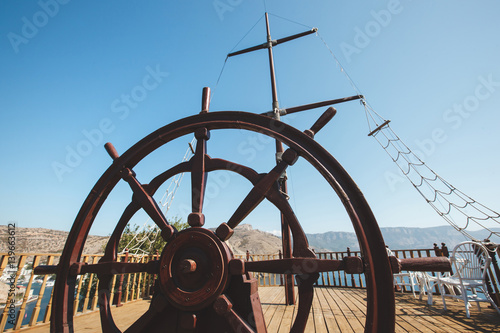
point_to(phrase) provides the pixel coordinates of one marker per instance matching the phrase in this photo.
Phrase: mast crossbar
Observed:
(274, 43)
(313, 105)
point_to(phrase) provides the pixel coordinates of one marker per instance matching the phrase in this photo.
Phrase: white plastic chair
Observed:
(409, 279)
(435, 280)
(471, 261)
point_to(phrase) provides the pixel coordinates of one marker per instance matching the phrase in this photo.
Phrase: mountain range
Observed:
(397, 238)
(40, 240)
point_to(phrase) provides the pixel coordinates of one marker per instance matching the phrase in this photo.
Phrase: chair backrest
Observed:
(471, 260)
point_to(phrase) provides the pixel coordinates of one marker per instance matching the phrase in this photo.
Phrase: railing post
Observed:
(76, 302)
(345, 274)
(437, 251)
(112, 290)
(131, 281)
(154, 276)
(280, 255)
(328, 273)
(36, 309)
(89, 287)
(22, 310)
(143, 279)
(15, 278)
(353, 280)
(322, 273)
(339, 272)
(48, 309)
(444, 250)
(492, 250)
(120, 284)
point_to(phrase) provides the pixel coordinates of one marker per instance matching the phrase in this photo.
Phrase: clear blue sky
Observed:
(66, 65)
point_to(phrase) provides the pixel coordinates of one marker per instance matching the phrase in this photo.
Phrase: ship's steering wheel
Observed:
(201, 287)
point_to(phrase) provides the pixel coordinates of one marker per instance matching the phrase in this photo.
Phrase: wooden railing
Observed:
(340, 278)
(264, 279)
(20, 310)
(337, 278)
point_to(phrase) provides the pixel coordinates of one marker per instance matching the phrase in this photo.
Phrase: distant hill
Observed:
(40, 240)
(397, 238)
(255, 241)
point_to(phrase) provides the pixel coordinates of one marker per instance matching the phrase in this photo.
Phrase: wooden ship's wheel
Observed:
(200, 286)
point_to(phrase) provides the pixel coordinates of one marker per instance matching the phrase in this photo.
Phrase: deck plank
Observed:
(289, 315)
(419, 318)
(401, 324)
(317, 313)
(286, 322)
(331, 319)
(350, 312)
(268, 302)
(342, 324)
(275, 313)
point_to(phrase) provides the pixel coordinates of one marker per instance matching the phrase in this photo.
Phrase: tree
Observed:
(148, 241)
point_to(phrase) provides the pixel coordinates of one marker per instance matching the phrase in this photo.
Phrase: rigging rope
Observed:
(458, 209)
(455, 207)
(291, 21)
(225, 61)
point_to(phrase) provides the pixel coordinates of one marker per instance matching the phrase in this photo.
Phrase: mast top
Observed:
(269, 44)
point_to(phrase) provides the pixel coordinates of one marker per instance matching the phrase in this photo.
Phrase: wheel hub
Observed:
(194, 269)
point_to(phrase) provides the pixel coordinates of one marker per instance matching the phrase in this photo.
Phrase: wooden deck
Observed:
(333, 310)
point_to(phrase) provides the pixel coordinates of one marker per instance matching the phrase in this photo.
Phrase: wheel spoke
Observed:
(142, 196)
(300, 243)
(150, 207)
(158, 305)
(224, 231)
(110, 253)
(260, 190)
(321, 122)
(223, 307)
(351, 265)
(198, 178)
(141, 324)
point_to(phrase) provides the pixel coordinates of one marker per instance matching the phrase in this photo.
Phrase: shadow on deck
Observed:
(333, 310)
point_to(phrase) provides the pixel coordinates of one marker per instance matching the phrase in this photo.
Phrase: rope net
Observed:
(458, 209)
(455, 207)
(147, 234)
